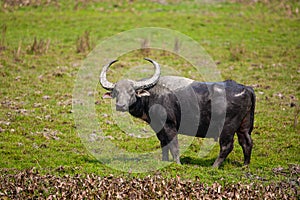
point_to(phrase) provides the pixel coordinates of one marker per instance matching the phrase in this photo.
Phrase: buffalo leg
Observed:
(246, 142)
(164, 145)
(244, 139)
(165, 151)
(174, 148)
(169, 141)
(226, 146)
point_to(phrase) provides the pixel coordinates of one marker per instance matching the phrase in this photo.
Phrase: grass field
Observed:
(42, 47)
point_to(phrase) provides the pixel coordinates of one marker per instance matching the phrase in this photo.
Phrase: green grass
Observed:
(255, 44)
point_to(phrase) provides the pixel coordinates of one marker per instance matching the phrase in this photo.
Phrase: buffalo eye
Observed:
(114, 94)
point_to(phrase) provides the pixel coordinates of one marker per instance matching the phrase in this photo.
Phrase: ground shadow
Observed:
(187, 160)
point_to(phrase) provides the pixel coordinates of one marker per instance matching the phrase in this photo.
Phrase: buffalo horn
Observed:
(151, 81)
(136, 84)
(103, 80)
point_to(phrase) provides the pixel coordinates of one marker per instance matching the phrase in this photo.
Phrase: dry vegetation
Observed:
(30, 184)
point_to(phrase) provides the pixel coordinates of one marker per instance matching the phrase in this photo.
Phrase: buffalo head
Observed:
(127, 91)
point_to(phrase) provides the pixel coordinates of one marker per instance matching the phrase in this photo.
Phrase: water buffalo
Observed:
(173, 105)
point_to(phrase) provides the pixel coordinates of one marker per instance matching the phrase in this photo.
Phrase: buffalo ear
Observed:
(142, 93)
(107, 95)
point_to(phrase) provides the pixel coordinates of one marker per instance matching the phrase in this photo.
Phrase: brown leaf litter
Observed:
(30, 184)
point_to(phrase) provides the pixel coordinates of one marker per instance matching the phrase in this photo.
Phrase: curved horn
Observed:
(103, 81)
(151, 81)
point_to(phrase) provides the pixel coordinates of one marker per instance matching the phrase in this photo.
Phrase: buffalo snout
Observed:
(121, 107)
